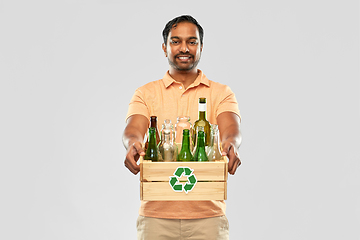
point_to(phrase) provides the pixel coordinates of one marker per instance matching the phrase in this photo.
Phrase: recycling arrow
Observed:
(179, 187)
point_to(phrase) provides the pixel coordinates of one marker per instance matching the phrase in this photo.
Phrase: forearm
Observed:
(229, 128)
(232, 134)
(135, 130)
(131, 135)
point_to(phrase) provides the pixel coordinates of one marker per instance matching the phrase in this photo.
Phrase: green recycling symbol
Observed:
(179, 187)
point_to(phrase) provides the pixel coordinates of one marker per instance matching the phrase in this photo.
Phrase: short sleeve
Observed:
(138, 105)
(228, 103)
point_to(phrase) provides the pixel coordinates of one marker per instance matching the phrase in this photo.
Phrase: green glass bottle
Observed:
(185, 153)
(199, 152)
(153, 123)
(202, 122)
(152, 150)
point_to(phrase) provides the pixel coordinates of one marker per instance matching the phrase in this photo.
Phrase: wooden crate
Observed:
(160, 181)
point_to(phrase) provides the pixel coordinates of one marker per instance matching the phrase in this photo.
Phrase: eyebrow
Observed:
(176, 37)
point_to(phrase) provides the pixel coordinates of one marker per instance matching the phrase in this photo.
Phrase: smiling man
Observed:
(177, 94)
(183, 49)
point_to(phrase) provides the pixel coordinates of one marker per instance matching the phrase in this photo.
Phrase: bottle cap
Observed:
(202, 100)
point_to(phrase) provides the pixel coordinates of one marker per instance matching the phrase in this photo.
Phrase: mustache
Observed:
(181, 54)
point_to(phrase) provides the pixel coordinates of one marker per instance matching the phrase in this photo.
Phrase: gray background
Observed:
(69, 68)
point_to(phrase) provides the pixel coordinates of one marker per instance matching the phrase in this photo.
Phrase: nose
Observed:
(184, 48)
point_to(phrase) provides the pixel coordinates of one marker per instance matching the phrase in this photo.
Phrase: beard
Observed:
(188, 67)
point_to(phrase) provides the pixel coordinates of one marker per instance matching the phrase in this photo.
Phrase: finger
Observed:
(234, 162)
(229, 152)
(138, 148)
(234, 167)
(132, 166)
(132, 157)
(231, 164)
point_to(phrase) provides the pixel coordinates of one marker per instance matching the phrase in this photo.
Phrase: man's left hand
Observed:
(231, 152)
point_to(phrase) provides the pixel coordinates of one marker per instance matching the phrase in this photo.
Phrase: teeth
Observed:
(184, 57)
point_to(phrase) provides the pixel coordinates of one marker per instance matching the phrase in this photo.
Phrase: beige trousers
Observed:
(215, 228)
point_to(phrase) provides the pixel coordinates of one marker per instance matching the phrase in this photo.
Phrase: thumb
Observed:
(226, 148)
(138, 148)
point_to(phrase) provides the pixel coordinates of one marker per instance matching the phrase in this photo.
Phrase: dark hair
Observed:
(183, 18)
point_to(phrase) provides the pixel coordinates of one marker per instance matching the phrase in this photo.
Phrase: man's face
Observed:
(183, 48)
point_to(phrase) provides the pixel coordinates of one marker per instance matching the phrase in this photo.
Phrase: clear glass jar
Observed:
(183, 122)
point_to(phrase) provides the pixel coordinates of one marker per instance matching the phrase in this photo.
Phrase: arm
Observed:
(230, 135)
(133, 137)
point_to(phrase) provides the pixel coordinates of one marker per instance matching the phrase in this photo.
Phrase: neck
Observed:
(185, 77)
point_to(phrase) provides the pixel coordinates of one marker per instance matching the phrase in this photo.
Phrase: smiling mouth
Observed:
(184, 58)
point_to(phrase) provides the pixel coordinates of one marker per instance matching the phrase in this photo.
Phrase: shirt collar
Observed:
(201, 78)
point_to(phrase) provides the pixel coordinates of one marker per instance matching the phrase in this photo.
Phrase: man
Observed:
(175, 95)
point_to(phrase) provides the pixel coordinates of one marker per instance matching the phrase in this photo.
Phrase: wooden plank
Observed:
(204, 171)
(226, 170)
(162, 191)
(141, 190)
(141, 170)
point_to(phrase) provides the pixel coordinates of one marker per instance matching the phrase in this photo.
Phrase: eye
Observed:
(193, 43)
(174, 42)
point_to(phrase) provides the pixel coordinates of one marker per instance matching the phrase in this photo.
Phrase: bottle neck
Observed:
(200, 142)
(153, 123)
(202, 110)
(152, 137)
(215, 137)
(183, 119)
(166, 137)
(186, 140)
(202, 115)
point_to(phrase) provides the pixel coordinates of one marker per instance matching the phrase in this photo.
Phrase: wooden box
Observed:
(182, 181)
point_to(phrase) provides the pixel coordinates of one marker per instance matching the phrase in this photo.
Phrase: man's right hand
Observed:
(133, 136)
(132, 156)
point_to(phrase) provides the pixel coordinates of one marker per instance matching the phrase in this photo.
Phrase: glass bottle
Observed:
(199, 151)
(168, 126)
(202, 122)
(152, 149)
(214, 152)
(167, 148)
(185, 152)
(183, 122)
(153, 123)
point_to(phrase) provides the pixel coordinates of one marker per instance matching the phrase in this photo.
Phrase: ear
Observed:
(164, 49)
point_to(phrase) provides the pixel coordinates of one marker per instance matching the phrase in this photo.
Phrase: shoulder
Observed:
(219, 88)
(216, 84)
(150, 87)
(152, 84)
